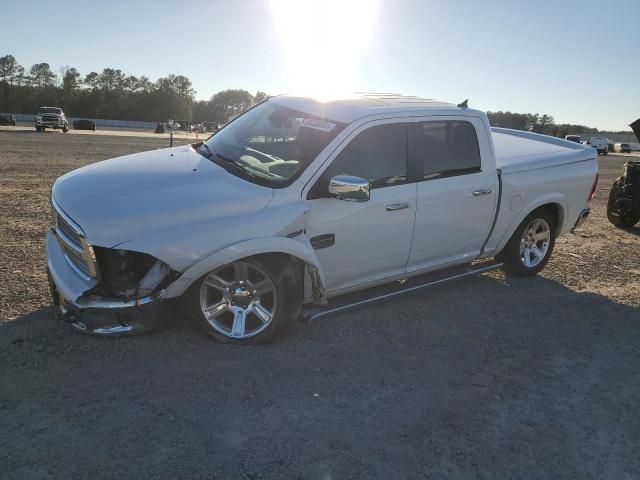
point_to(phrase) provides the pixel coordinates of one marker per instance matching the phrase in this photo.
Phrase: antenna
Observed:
(464, 104)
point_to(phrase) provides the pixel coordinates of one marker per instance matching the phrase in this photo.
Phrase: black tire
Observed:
(65, 129)
(288, 289)
(510, 256)
(619, 218)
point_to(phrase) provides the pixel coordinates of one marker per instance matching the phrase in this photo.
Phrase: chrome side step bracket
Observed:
(368, 296)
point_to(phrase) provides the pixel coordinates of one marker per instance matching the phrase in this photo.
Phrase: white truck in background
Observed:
(298, 203)
(51, 117)
(601, 144)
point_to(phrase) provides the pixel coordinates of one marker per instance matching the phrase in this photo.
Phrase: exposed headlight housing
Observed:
(128, 274)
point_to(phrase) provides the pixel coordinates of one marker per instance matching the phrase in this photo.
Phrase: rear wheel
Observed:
(530, 247)
(249, 301)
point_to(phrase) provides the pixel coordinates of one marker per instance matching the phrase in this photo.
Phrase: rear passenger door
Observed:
(456, 191)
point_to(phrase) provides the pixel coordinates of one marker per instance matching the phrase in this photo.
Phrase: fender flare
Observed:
(294, 247)
(548, 199)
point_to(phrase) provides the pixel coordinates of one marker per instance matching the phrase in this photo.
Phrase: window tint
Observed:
(448, 148)
(379, 154)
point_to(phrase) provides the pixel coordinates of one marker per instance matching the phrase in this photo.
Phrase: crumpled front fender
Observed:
(298, 247)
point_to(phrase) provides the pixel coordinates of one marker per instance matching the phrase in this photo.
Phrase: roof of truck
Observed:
(349, 108)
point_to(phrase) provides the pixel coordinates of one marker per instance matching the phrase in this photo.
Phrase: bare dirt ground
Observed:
(491, 377)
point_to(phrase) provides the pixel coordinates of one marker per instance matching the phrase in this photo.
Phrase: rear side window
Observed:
(448, 148)
(379, 154)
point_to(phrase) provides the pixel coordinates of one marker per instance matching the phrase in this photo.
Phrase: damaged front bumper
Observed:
(96, 314)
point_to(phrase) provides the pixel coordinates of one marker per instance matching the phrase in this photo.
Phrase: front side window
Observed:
(448, 148)
(272, 144)
(379, 154)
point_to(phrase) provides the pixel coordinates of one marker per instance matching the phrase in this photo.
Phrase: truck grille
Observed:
(67, 230)
(78, 252)
(50, 118)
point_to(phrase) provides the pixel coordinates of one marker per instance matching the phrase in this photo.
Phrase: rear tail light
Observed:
(593, 188)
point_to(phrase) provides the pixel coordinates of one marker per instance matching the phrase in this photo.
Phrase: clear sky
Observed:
(576, 60)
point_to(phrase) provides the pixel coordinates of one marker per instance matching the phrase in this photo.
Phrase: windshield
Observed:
(273, 143)
(57, 111)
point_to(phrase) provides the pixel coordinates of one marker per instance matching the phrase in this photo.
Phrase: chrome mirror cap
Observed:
(349, 188)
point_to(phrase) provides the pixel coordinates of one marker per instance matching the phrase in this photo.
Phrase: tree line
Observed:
(112, 94)
(534, 122)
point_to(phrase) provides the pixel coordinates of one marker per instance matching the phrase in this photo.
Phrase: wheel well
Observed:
(307, 279)
(556, 211)
(278, 258)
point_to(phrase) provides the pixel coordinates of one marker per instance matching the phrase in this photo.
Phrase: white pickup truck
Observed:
(51, 117)
(297, 203)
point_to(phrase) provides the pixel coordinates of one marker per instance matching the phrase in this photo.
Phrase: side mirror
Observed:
(351, 189)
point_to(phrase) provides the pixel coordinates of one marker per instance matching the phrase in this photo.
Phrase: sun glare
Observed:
(323, 42)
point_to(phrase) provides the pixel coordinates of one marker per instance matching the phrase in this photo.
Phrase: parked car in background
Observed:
(8, 119)
(601, 144)
(51, 117)
(84, 125)
(297, 203)
(211, 126)
(623, 148)
(182, 125)
(573, 138)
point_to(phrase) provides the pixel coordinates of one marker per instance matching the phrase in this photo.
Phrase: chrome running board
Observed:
(385, 292)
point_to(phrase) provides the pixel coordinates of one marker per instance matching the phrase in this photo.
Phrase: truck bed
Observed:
(539, 170)
(518, 151)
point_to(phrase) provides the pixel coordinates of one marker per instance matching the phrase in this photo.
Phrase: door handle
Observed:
(397, 206)
(484, 191)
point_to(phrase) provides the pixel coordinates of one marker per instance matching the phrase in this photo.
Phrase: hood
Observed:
(117, 200)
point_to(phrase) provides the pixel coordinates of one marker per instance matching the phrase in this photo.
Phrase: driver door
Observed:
(359, 243)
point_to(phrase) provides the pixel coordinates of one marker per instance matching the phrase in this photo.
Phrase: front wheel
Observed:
(249, 301)
(65, 129)
(530, 247)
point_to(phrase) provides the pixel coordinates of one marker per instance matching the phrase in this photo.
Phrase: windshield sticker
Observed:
(318, 124)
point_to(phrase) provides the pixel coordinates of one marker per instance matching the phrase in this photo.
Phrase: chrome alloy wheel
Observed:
(238, 300)
(534, 243)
